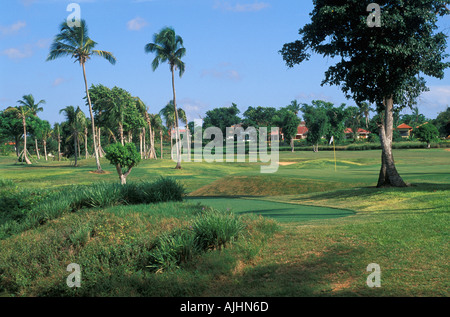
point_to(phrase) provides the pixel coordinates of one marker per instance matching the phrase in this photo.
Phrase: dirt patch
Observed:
(286, 163)
(100, 173)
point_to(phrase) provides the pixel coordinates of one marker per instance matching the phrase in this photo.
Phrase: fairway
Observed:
(281, 212)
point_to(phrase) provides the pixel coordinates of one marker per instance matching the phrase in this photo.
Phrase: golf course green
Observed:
(281, 212)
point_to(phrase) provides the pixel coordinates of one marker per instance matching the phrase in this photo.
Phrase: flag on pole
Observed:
(334, 150)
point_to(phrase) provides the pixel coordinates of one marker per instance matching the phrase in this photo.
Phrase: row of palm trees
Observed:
(76, 43)
(75, 128)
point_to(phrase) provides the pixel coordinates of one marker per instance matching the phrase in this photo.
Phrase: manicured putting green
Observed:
(282, 212)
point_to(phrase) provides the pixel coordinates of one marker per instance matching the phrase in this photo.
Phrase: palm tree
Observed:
(168, 112)
(46, 134)
(22, 112)
(365, 110)
(75, 119)
(75, 42)
(57, 134)
(156, 122)
(28, 101)
(168, 47)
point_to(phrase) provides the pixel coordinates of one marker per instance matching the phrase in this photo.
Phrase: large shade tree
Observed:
(75, 42)
(382, 65)
(168, 47)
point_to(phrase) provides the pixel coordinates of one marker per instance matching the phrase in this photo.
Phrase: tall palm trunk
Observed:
(75, 149)
(86, 142)
(388, 173)
(25, 141)
(97, 160)
(37, 149)
(161, 140)
(45, 149)
(177, 131)
(59, 147)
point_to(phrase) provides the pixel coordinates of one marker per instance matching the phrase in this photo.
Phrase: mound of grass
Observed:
(23, 209)
(114, 248)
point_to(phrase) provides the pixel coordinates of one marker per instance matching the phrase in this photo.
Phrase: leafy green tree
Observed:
(382, 65)
(316, 120)
(168, 47)
(222, 117)
(76, 43)
(288, 122)
(427, 133)
(124, 158)
(442, 123)
(11, 128)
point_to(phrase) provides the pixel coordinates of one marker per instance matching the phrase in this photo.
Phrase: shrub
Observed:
(123, 156)
(172, 249)
(215, 229)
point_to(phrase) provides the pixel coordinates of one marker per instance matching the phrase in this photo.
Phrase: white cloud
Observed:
(15, 53)
(239, 7)
(434, 101)
(26, 50)
(136, 24)
(220, 73)
(13, 28)
(58, 81)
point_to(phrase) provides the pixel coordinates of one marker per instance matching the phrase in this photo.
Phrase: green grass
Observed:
(329, 226)
(279, 211)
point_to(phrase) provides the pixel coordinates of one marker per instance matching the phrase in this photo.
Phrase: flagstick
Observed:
(334, 150)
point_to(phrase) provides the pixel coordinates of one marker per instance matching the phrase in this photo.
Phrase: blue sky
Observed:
(232, 55)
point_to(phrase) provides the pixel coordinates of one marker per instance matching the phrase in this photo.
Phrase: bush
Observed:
(215, 229)
(173, 249)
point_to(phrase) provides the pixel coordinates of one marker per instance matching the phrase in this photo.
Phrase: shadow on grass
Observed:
(373, 190)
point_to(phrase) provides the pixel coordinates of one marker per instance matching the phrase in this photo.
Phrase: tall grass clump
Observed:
(216, 229)
(21, 210)
(172, 249)
(212, 230)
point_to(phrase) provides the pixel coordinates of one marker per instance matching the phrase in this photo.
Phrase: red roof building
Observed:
(404, 130)
(360, 134)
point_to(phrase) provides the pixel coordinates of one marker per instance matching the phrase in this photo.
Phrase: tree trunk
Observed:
(59, 147)
(86, 143)
(75, 149)
(292, 145)
(16, 147)
(37, 149)
(171, 144)
(388, 173)
(121, 133)
(177, 132)
(45, 149)
(97, 160)
(140, 145)
(25, 141)
(161, 139)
